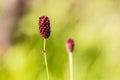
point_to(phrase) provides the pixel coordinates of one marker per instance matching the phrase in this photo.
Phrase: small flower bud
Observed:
(44, 26)
(70, 45)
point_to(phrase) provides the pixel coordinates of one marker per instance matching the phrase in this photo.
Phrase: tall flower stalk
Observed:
(70, 47)
(44, 27)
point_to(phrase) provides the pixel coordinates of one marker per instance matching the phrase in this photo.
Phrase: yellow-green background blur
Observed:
(93, 24)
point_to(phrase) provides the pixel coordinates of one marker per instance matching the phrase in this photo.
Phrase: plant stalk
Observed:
(45, 59)
(71, 66)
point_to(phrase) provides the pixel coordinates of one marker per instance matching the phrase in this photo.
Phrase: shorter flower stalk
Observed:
(70, 47)
(71, 66)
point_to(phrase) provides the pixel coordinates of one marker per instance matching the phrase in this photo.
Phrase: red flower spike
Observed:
(44, 26)
(70, 45)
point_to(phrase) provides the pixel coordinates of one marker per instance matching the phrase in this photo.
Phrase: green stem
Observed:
(45, 59)
(71, 66)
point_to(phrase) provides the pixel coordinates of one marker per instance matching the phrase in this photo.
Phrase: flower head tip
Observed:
(70, 45)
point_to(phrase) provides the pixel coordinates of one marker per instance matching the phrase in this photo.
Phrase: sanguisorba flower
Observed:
(70, 45)
(70, 48)
(44, 26)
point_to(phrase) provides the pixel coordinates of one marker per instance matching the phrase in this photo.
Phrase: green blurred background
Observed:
(93, 24)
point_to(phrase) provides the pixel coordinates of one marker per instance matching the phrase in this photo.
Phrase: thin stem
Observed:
(45, 59)
(71, 66)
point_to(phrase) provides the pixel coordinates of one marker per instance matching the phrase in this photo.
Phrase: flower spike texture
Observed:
(44, 26)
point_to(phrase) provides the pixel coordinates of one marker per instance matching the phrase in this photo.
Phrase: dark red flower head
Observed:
(44, 26)
(70, 45)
